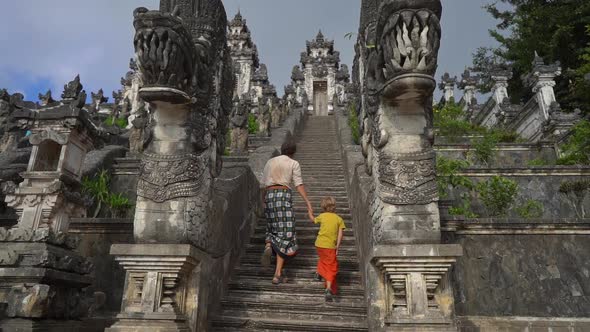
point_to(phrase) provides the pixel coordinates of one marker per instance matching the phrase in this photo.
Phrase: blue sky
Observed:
(46, 43)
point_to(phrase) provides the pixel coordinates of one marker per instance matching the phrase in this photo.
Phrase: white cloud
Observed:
(56, 40)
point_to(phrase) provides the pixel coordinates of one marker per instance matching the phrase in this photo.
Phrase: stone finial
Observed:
(468, 84)
(46, 98)
(72, 90)
(542, 80)
(320, 36)
(261, 74)
(447, 85)
(343, 74)
(98, 98)
(4, 95)
(500, 77)
(297, 74)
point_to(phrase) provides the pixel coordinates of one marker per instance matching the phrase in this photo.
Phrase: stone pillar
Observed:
(190, 98)
(500, 88)
(408, 261)
(447, 85)
(41, 276)
(542, 80)
(412, 284)
(468, 84)
(162, 283)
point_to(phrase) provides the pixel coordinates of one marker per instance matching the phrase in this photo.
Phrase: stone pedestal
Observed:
(42, 281)
(161, 288)
(415, 285)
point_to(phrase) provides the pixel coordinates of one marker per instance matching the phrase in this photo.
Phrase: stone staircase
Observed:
(253, 303)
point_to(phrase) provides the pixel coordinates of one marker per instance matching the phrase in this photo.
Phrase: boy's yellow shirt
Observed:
(330, 224)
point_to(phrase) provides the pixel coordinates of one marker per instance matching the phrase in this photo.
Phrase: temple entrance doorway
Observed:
(320, 98)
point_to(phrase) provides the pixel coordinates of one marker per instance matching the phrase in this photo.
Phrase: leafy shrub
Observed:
(484, 149)
(505, 136)
(120, 122)
(253, 126)
(98, 188)
(353, 123)
(577, 149)
(575, 192)
(530, 209)
(447, 170)
(464, 209)
(497, 194)
(449, 121)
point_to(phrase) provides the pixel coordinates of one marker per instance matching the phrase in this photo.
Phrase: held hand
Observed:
(310, 214)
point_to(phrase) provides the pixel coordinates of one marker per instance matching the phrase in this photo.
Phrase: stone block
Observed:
(163, 288)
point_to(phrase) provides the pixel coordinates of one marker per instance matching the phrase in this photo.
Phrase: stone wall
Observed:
(545, 275)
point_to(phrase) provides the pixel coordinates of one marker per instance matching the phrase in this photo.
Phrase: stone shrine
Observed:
(320, 75)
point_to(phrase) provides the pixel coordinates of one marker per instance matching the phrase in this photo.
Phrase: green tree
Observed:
(557, 30)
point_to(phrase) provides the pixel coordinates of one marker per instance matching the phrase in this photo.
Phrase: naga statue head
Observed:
(167, 58)
(407, 40)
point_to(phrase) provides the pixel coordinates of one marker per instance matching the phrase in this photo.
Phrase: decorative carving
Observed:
(163, 177)
(408, 178)
(239, 126)
(319, 71)
(264, 116)
(73, 89)
(138, 135)
(98, 99)
(46, 99)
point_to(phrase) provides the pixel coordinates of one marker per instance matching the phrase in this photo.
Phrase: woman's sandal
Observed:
(279, 280)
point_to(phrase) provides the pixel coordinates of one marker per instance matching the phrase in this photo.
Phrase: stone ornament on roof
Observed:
(261, 74)
(73, 89)
(468, 80)
(297, 74)
(447, 81)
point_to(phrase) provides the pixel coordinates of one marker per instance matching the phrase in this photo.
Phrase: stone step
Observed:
(292, 311)
(234, 324)
(308, 240)
(304, 286)
(295, 273)
(303, 218)
(304, 228)
(268, 292)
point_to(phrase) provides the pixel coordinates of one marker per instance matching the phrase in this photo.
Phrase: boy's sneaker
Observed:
(266, 256)
(317, 277)
(329, 296)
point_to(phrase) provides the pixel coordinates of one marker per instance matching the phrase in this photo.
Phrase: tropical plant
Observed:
(449, 121)
(447, 171)
(530, 209)
(353, 123)
(98, 188)
(576, 151)
(253, 126)
(119, 122)
(497, 194)
(484, 149)
(575, 192)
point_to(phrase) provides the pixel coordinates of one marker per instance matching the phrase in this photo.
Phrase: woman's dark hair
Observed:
(288, 148)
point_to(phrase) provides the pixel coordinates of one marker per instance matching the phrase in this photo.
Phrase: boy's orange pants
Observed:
(328, 266)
